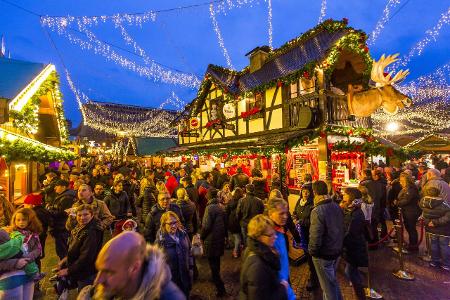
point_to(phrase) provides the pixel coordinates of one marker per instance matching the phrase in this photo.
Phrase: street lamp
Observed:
(392, 126)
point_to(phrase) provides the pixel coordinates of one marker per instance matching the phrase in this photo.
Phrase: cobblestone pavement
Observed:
(430, 284)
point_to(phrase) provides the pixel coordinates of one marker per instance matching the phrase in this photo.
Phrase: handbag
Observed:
(197, 247)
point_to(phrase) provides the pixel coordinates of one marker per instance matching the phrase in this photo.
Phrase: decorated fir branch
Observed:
(22, 150)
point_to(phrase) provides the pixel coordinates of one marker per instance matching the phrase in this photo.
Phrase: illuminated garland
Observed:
(323, 9)
(380, 24)
(219, 35)
(430, 36)
(269, 21)
(27, 119)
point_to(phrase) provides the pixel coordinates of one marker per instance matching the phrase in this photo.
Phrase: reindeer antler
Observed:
(377, 74)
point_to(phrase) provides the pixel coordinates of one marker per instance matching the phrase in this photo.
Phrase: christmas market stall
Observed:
(32, 125)
(304, 108)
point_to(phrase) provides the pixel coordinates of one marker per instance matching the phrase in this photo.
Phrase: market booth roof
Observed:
(16, 75)
(431, 143)
(152, 145)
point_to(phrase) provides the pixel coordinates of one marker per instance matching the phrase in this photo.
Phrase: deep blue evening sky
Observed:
(186, 40)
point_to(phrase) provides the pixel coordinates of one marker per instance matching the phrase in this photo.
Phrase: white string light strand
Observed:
(269, 19)
(380, 24)
(323, 9)
(430, 36)
(219, 36)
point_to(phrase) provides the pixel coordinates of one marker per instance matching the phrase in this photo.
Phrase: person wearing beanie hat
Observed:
(248, 207)
(57, 208)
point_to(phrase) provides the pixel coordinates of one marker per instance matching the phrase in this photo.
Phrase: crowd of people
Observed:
(128, 232)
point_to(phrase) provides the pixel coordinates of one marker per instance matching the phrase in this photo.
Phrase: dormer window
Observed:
(301, 86)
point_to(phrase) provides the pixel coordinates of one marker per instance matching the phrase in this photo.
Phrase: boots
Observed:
(359, 291)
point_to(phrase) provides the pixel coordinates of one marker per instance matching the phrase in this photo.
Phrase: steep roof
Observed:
(15, 75)
(313, 49)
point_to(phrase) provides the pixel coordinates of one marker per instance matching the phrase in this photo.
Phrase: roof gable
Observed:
(15, 75)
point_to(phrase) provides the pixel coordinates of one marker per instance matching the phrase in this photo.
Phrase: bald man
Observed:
(128, 268)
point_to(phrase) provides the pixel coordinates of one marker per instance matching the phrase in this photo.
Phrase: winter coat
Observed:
(153, 220)
(147, 200)
(239, 180)
(248, 207)
(281, 186)
(118, 204)
(259, 273)
(155, 282)
(303, 215)
(261, 188)
(216, 173)
(355, 251)
(436, 210)
(442, 186)
(57, 210)
(190, 216)
(85, 243)
(214, 229)
(224, 197)
(408, 200)
(101, 213)
(178, 257)
(49, 192)
(376, 192)
(222, 179)
(44, 216)
(232, 218)
(392, 192)
(326, 233)
(193, 193)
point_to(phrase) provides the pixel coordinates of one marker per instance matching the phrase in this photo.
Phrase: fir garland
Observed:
(21, 150)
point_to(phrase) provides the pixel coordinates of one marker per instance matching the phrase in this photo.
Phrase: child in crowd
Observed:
(25, 222)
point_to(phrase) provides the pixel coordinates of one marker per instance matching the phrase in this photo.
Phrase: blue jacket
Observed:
(283, 274)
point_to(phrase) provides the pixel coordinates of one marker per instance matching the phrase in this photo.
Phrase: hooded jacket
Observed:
(119, 204)
(156, 283)
(436, 210)
(248, 207)
(442, 186)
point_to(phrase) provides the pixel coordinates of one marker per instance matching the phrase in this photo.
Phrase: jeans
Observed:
(440, 249)
(244, 235)
(61, 242)
(313, 275)
(326, 273)
(237, 242)
(356, 279)
(214, 265)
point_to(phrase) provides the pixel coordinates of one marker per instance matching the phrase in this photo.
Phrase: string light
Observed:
(219, 36)
(380, 24)
(269, 4)
(430, 36)
(323, 9)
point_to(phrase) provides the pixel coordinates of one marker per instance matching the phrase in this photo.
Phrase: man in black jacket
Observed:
(326, 236)
(248, 207)
(376, 194)
(153, 220)
(240, 179)
(190, 189)
(64, 200)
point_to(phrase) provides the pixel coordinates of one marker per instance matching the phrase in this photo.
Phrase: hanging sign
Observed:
(229, 110)
(194, 123)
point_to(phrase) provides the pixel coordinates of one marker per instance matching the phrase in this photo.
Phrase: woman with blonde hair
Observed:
(175, 242)
(259, 274)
